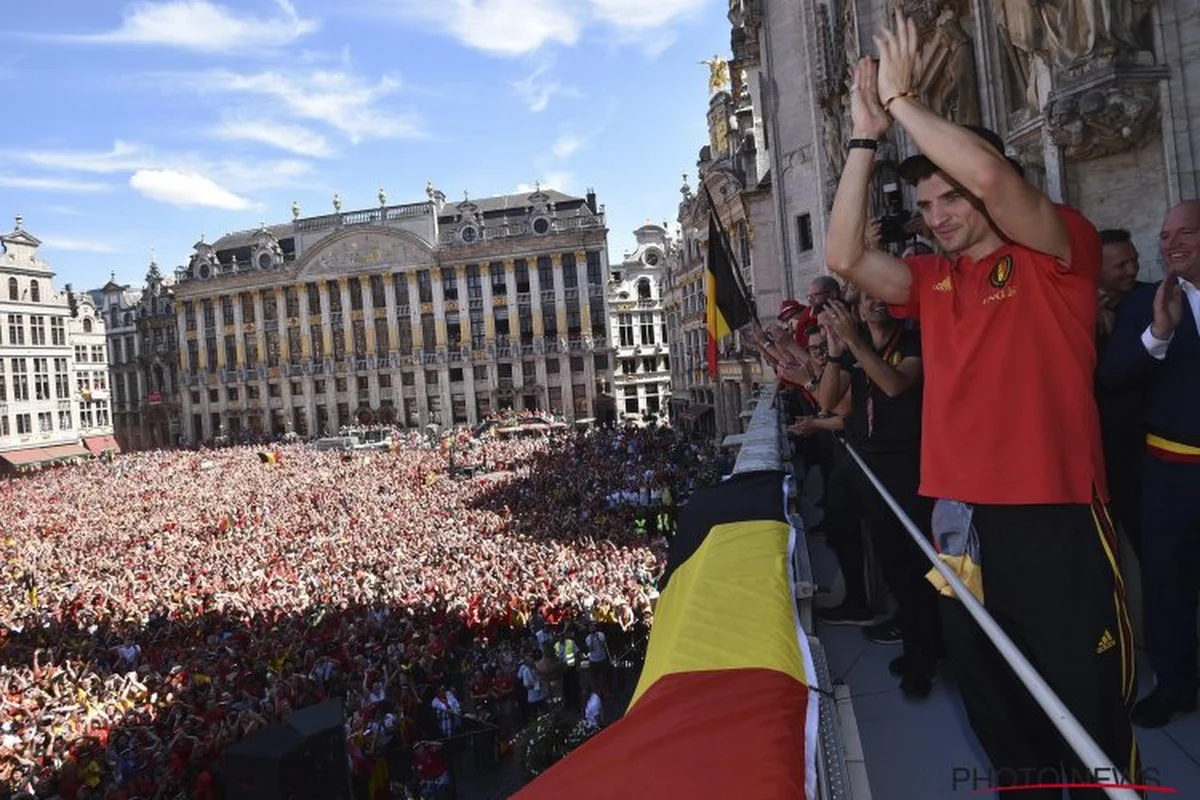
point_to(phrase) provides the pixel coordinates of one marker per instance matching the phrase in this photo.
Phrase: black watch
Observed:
(863, 144)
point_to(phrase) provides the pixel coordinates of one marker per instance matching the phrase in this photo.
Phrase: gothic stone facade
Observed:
(1089, 94)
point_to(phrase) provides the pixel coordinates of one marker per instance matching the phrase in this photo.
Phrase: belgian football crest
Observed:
(1001, 273)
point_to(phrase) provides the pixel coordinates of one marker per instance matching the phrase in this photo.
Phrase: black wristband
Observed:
(846, 360)
(864, 144)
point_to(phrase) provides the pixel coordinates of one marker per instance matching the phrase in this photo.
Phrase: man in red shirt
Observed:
(1011, 437)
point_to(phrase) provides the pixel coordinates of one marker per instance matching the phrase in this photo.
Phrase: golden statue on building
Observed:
(718, 78)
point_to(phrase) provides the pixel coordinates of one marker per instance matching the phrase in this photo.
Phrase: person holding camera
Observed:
(1007, 315)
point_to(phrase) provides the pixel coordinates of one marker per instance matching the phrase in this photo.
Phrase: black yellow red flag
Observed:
(727, 306)
(723, 706)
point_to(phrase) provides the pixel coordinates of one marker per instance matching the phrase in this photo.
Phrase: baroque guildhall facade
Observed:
(428, 313)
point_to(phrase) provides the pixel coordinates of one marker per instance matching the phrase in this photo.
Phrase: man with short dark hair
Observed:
(1118, 274)
(1010, 436)
(1121, 427)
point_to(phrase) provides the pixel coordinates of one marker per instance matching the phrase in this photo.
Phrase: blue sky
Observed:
(132, 126)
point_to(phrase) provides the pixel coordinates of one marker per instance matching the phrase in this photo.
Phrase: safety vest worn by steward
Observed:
(567, 652)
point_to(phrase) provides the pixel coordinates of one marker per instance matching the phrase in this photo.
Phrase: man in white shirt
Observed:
(448, 711)
(599, 659)
(594, 712)
(535, 690)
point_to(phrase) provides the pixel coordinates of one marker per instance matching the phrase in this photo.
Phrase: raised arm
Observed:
(846, 252)
(1018, 209)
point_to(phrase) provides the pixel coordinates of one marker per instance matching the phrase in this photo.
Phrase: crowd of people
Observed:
(156, 608)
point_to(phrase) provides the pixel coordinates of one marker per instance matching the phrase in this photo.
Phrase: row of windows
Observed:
(37, 331)
(649, 364)
(19, 375)
(23, 423)
(92, 414)
(94, 354)
(457, 334)
(408, 378)
(329, 418)
(33, 293)
(645, 330)
(358, 288)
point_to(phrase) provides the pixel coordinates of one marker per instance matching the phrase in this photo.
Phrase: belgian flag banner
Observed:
(723, 707)
(726, 306)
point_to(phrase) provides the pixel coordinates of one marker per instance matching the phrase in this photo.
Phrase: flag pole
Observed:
(725, 245)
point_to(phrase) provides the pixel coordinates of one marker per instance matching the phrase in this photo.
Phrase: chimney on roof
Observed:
(591, 199)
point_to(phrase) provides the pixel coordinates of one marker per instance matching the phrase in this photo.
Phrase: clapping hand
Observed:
(1168, 307)
(899, 57)
(867, 117)
(838, 319)
(804, 426)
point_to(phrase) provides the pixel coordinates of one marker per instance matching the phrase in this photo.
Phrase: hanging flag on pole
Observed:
(727, 302)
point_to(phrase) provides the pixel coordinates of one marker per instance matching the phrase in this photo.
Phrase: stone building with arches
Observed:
(425, 313)
(54, 393)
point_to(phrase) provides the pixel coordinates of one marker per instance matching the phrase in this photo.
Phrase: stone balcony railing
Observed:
(765, 446)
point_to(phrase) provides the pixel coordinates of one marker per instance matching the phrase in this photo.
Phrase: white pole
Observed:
(1081, 742)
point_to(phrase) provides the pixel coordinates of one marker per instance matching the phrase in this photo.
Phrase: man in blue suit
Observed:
(1155, 344)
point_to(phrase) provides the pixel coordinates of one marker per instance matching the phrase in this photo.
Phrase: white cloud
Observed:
(43, 184)
(566, 145)
(123, 157)
(80, 245)
(640, 15)
(501, 27)
(185, 189)
(560, 180)
(246, 176)
(133, 158)
(536, 90)
(204, 26)
(292, 138)
(517, 27)
(340, 99)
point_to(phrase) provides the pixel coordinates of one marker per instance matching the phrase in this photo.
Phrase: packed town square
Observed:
(145, 628)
